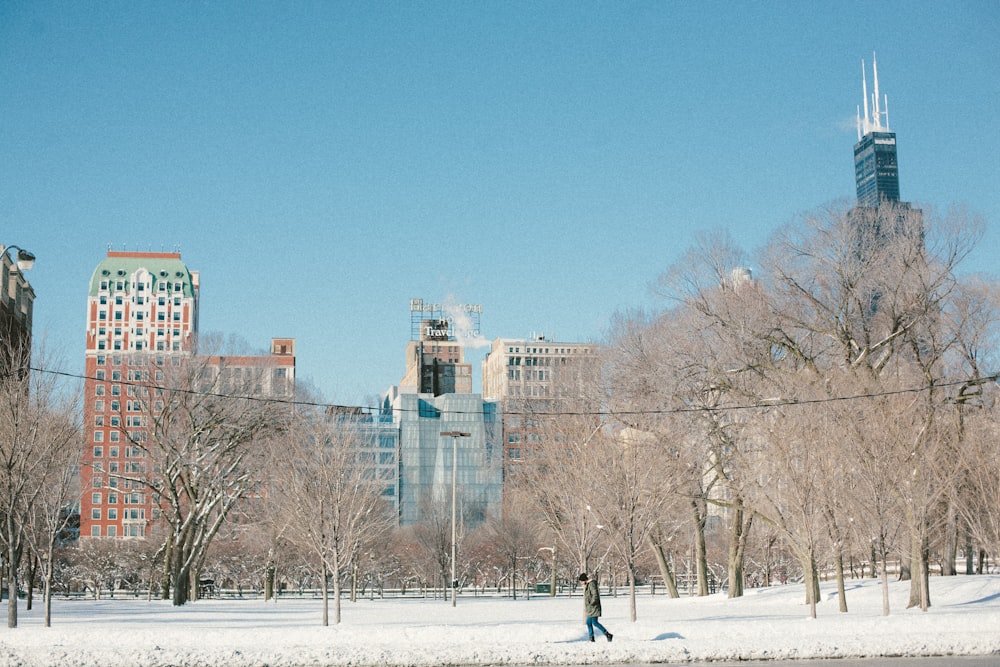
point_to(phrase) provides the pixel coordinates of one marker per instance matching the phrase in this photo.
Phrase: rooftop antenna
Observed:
(878, 112)
(864, 94)
(876, 107)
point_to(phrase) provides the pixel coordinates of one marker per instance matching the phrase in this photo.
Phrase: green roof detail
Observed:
(162, 267)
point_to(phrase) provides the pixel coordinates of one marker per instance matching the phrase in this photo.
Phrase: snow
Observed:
(766, 624)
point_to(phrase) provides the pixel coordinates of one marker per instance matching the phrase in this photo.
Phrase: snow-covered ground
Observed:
(766, 624)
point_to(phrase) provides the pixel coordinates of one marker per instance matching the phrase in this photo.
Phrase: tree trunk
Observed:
(668, 576)
(841, 591)
(811, 577)
(920, 584)
(950, 547)
(269, 580)
(167, 564)
(885, 576)
(47, 595)
(632, 615)
(737, 549)
(701, 557)
(325, 596)
(32, 576)
(336, 587)
(13, 556)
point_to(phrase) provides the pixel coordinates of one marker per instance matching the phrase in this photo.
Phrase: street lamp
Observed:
(24, 259)
(455, 435)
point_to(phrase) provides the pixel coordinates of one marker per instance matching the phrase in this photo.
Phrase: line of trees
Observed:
(842, 397)
(833, 411)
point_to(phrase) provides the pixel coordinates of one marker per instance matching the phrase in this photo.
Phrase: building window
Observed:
(112, 514)
(95, 531)
(112, 531)
(95, 499)
(95, 514)
(98, 436)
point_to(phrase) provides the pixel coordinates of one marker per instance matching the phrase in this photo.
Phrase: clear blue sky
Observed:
(320, 163)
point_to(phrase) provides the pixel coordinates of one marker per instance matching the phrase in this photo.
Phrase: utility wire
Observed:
(533, 413)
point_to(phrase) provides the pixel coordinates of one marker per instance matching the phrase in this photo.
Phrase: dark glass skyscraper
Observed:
(876, 171)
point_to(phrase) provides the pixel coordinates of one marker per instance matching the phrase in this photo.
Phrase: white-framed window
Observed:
(95, 499)
(112, 531)
(95, 531)
(95, 514)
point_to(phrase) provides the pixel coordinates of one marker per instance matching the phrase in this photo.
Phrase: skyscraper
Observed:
(876, 171)
(142, 324)
(139, 304)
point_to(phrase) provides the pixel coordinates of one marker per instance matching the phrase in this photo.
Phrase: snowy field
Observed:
(767, 624)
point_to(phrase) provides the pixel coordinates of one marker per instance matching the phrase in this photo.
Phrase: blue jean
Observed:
(592, 622)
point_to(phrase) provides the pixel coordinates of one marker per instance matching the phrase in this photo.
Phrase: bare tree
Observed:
(37, 433)
(331, 494)
(203, 445)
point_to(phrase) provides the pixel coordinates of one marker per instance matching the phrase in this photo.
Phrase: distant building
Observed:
(17, 300)
(435, 396)
(425, 456)
(142, 319)
(534, 379)
(879, 216)
(876, 169)
(435, 361)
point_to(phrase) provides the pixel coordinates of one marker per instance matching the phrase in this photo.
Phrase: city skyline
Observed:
(323, 165)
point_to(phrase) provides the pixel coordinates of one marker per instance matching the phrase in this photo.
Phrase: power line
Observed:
(535, 413)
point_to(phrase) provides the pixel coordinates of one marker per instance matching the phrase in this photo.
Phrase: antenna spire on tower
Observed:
(876, 107)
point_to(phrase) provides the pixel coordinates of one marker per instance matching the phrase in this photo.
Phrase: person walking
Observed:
(592, 606)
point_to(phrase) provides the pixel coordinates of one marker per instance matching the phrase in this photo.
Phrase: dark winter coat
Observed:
(591, 600)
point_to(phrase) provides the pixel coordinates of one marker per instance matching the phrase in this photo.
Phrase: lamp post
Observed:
(455, 435)
(24, 260)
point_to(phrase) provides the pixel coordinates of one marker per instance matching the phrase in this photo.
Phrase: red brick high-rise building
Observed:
(142, 324)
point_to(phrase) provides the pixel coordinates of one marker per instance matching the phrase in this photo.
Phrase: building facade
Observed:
(426, 461)
(142, 325)
(534, 379)
(17, 301)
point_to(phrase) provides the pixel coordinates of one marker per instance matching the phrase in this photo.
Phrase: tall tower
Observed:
(876, 172)
(141, 306)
